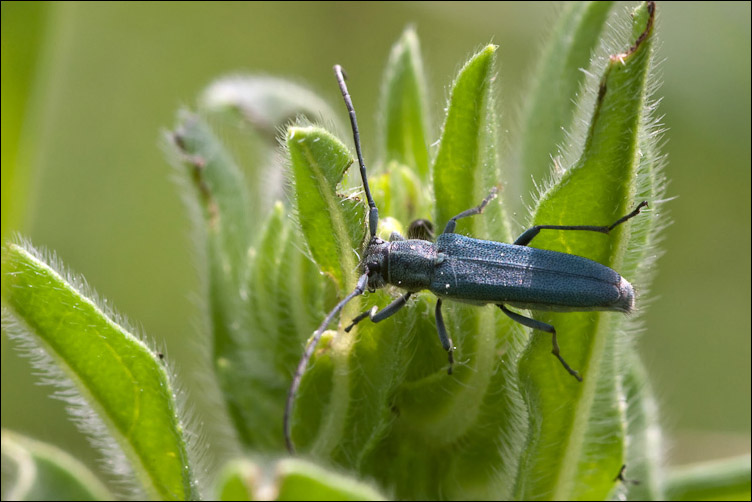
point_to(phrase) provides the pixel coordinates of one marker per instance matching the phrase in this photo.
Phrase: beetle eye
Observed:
(373, 268)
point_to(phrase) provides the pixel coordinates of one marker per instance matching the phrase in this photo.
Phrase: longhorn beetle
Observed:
(474, 271)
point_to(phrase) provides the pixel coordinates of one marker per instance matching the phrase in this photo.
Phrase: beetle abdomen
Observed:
(493, 272)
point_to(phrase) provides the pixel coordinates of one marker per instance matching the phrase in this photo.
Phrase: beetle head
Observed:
(376, 263)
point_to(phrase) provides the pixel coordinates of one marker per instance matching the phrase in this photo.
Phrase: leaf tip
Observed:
(643, 21)
(488, 51)
(409, 35)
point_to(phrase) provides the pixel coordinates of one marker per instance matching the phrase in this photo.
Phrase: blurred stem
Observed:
(726, 479)
(22, 27)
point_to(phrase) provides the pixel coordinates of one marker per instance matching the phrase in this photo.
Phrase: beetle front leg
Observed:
(449, 228)
(446, 342)
(420, 229)
(382, 314)
(541, 326)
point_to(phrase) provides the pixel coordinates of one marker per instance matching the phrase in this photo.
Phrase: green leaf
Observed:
(262, 402)
(287, 298)
(247, 112)
(402, 197)
(264, 300)
(263, 102)
(121, 378)
(217, 189)
(299, 480)
(238, 480)
(290, 479)
(38, 471)
(299, 293)
(576, 445)
(550, 106)
(403, 101)
(726, 479)
(332, 225)
(214, 189)
(465, 170)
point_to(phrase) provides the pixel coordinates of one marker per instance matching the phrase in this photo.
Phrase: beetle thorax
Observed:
(407, 264)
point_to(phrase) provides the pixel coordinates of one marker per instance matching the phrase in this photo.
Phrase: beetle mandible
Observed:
(475, 271)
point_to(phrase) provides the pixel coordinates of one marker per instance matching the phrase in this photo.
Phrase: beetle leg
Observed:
(420, 229)
(449, 229)
(382, 314)
(529, 234)
(446, 342)
(541, 326)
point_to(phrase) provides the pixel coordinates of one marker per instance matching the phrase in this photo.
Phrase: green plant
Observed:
(377, 402)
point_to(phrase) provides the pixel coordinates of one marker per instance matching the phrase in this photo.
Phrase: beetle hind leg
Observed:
(529, 234)
(541, 326)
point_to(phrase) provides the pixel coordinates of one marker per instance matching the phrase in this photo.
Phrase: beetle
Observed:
(460, 268)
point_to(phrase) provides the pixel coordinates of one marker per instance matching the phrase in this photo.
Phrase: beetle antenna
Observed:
(373, 213)
(312, 342)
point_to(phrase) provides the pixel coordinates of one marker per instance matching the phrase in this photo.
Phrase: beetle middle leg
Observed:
(382, 314)
(449, 229)
(446, 341)
(541, 326)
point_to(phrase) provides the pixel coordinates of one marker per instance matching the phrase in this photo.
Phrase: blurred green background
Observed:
(87, 90)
